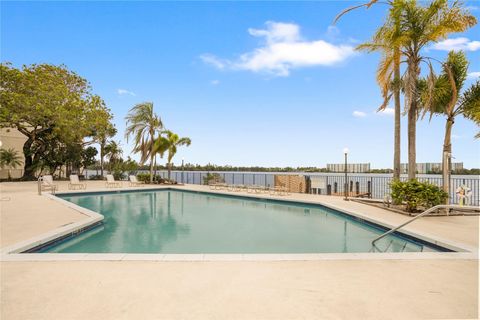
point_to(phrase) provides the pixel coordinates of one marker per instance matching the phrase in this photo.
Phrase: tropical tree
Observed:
(143, 124)
(113, 152)
(11, 159)
(47, 104)
(447, 100)
(419, 27)
(387, 41)
(170, 142)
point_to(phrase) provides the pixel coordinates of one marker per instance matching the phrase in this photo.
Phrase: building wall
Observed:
(351, 167)
(12, 138)
(428, 167)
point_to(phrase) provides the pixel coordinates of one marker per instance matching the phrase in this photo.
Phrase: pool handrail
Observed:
(424, 213)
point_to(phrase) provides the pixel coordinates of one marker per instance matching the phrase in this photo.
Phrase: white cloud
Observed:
(473, 75)
(387, 111)
(359, 114)
(125, 92)
(214, 61)
(283, 49)
(215, 82)
(457, 44)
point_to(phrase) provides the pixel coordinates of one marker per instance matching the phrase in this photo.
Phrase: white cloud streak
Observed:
(215, 82)
(282, 50)
(387, 112)
(473, 75)
(359, 114)
(457, 44)
(125, 92)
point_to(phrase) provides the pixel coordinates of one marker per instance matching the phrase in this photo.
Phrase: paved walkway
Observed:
(345, 289)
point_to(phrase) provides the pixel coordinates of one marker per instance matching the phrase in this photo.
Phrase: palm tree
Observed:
(102, 135)
(113, 152)
(170, 143)
(419, 27)
(446, 100)
(9, 158)
(387, 41)
(143, 124)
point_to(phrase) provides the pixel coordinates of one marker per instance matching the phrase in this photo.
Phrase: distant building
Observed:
(431, 167)
(351, 167)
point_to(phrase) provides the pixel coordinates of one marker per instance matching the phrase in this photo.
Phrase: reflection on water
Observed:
(185, 222)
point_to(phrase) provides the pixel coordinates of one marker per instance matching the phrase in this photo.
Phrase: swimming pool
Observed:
(173, 221)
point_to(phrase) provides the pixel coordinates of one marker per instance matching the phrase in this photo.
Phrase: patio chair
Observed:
(75, 183)
(47, 184)
(111, 183)
(133, 181)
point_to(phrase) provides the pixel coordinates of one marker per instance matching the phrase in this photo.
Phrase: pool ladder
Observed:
(424, 213)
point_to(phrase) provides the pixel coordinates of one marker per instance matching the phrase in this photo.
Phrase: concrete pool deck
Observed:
(402, 287)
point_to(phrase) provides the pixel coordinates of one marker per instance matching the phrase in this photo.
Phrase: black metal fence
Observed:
(376, 186)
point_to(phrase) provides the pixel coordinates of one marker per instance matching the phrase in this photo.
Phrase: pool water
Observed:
(172, 221)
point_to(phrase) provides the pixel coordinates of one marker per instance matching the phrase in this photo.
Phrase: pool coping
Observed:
(16, 252)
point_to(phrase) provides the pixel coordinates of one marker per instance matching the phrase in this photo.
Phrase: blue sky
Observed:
(268, 84)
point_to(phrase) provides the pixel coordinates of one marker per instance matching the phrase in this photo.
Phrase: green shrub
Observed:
(212, 177)
(415, 194)
(96, 177)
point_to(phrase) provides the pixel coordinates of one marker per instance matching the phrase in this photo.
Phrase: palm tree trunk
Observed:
(412, 135)
(151, 168)
(397, 133)
(447, 150)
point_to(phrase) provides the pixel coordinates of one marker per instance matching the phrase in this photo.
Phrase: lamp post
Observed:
(182, 168)
(345, 152)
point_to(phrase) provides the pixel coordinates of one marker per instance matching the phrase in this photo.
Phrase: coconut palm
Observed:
(419, 27)
(448, 101)
(387, 41)
(170, 142)
(113, 152)
(143, 124)
(102, 135)
(11, 159)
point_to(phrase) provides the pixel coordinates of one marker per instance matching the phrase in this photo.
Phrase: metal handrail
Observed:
(424, 213)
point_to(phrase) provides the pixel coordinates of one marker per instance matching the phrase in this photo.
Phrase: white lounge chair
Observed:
(111, 183)
(75, 183)
(47, 184)
(134, 181)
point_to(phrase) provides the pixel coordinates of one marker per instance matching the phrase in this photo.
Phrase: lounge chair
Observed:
(47, 184)
(111, 183)
(75, 183)
(134, 181)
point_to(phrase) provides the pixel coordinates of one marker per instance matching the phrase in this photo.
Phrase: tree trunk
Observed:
(397, 132)
(412, 135)
(169, 169)
(28, 170)
(151, 168)
(101, 158)
(447, 150)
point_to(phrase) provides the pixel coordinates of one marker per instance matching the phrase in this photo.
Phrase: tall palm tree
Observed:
(447, 101)
(11, 159)
(388, 73)
(113, 152)
(143, 124)
(170, 143)
(419, 27)
(102, 135)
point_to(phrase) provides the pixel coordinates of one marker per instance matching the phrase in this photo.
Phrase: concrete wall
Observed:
(12, 138)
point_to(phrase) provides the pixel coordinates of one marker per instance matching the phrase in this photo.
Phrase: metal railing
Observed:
(424, 213)
(375, 186)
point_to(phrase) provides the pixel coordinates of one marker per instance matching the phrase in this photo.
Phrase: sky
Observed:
(251, 83)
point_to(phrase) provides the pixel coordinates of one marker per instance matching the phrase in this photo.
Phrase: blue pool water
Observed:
(172, 221)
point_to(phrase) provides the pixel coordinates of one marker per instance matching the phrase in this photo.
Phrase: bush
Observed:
(212, 177)
(414, 194)
(96, 177)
